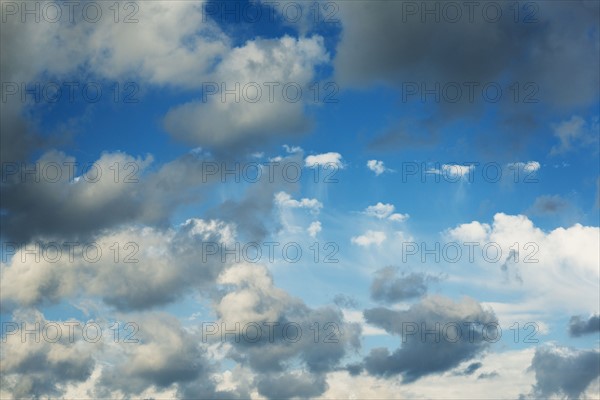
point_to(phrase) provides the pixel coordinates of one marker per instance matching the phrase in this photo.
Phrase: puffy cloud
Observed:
(324, 160)
(370, 237)
(383, 211)
(261, 111)
(558, 268)
(579, 327)
(252, 298)
(150, 49)
(377, 167)
(36, 367)
(423, 354)
(529, 166)
(283, 199)
(564, 371)
(388, 287)
(131, 268)
(314, 228)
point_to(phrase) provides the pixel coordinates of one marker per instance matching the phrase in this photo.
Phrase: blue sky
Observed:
(416, 133)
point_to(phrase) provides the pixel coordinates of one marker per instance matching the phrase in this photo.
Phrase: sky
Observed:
(300, 199)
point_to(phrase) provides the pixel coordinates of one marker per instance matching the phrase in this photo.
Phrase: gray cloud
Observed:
(164, 265)
(389, 288)
(579, 327)
(423, 354)
(382, 42)
(253, 299)
(549, 205)
(289, 385)
(563, 371)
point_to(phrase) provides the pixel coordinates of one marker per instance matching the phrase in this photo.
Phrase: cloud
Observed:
(38, 368)
(132, 268)
(292, 385)
(423, 354)
(575, 132)
(262, 112)
(387, 287)
(453, 170)
(253, 298)
(284, 200)
(543, 258)
(530, 166)
(370, 237)
(549, 205)
(324, 160)
(376, 48)
(383, 211)
(564, 371)
(377, 167)
(314, 228)
(579, 327)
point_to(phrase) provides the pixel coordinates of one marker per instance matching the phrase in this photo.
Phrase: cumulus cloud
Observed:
(131, 268)
(564, 371)
(314, 228)
(423, 354)
(385, 211)
(579, 327)
(388, 287)
(261, 111)
(324, 160)
(254, 299)
(378, 167)
(368, 238)
(544, 259)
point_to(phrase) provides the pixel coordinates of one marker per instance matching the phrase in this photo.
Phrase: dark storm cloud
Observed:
(579, 327)
(564, 372)
(384, 42)
(387, 287)
(424, 353)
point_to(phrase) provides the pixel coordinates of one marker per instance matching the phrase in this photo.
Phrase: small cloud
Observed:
(369, 238)
(579, 327)
(378, 167)
(284, 200)
(549, 205)
(383, 211)
(325, 159)
(314, 229)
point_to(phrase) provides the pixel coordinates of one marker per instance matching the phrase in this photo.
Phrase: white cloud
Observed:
(529, 166)
(260, 110)
(285, 200)
(383, 211)
(557, 270)
(314, 228)
(380, 210)
(396, 217)
(324, 160)
(378, 167)
(370, 237)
